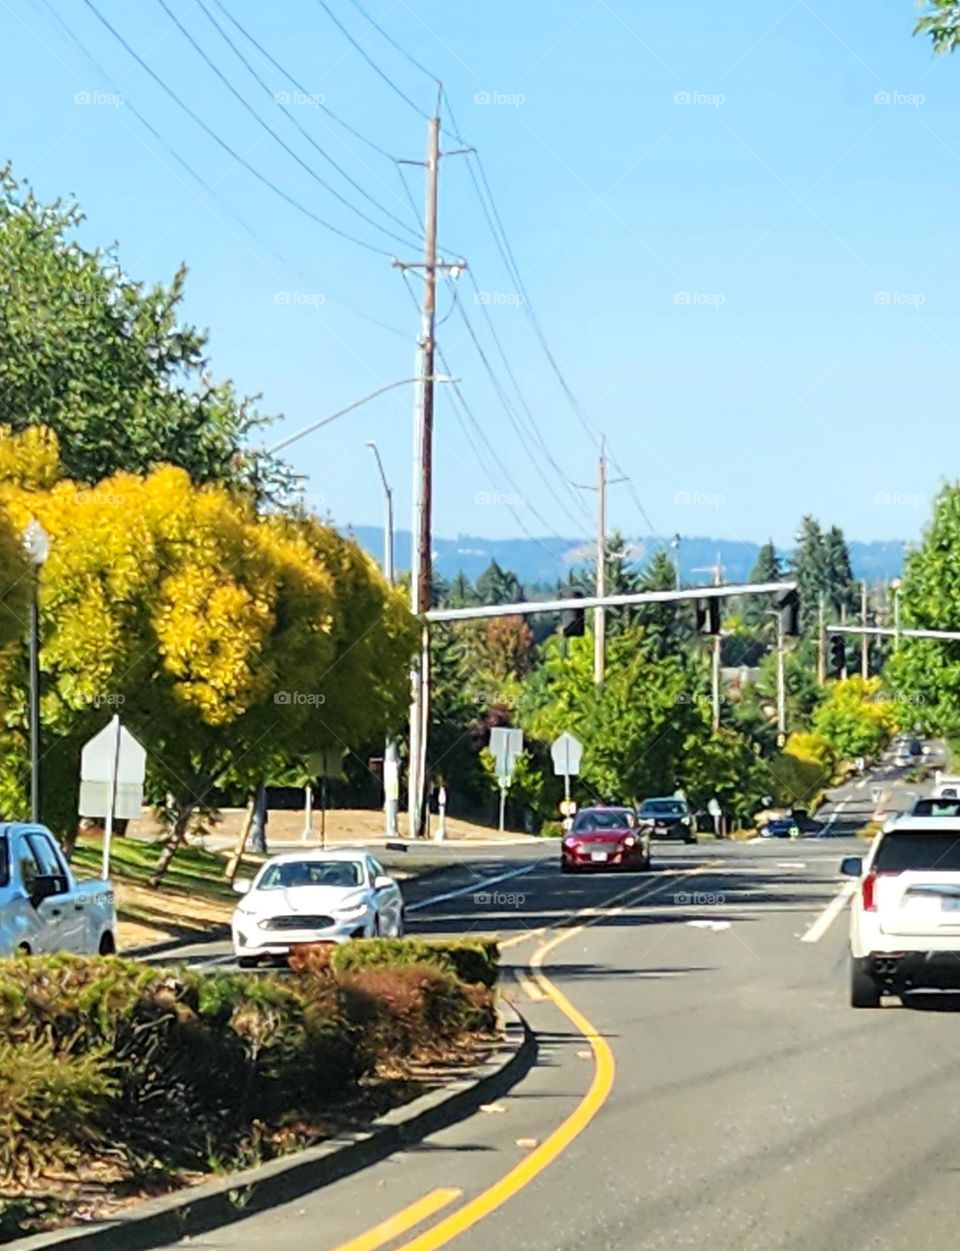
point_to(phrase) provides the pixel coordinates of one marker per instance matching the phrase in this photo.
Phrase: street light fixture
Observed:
(36, 543)
(391, 763)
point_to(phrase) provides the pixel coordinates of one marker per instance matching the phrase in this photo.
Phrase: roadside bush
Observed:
(471, 960)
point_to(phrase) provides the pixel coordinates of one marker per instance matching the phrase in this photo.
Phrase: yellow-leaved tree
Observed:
(232, 643)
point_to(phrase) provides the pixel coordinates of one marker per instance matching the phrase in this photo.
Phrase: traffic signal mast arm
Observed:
(786, 590)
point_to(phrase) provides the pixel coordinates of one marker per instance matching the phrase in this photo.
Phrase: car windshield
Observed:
(902, 850)
(4, 860)
(610, 819)
(311, 873)
(937, 808)
(664, 808)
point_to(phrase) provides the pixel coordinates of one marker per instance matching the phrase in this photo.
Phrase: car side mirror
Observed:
(382, 882)
(242, 886)
(45, 886)
(851, 866)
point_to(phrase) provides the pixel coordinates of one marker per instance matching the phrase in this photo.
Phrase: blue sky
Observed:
(736, 223)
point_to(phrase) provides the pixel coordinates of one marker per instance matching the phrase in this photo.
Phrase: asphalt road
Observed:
(701, 1081)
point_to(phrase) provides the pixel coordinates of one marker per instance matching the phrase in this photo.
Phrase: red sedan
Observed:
(605, 838)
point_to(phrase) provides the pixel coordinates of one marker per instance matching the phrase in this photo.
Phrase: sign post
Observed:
(567, 753)
(112, 768)
(506, 746)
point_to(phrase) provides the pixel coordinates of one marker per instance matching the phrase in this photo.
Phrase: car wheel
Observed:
(864, 987)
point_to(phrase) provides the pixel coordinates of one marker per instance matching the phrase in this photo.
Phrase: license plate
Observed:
(598, 855)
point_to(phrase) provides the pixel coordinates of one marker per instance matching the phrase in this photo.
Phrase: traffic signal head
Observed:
(575, 623)
(708, 616)
(789, 608)
(838, 652)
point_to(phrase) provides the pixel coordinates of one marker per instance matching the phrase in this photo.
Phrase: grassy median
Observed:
(119, 1080)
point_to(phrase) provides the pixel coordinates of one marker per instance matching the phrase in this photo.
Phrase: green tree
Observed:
(106, 362)
(766, 568)
(941, 21)
(924, 674)
(498, 586)
(855, 718)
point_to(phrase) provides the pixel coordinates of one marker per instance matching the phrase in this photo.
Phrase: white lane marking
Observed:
(710, 925)
(861, 784)
(474, 888)
(791, 864)
(829, 914)
(836, 813)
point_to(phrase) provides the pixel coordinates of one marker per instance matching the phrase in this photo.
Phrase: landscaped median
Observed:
(120, 1081)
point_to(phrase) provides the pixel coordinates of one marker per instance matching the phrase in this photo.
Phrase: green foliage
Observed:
(941, 21)
(104, 360)
(821, 565)
(472, 960)
(924, 674)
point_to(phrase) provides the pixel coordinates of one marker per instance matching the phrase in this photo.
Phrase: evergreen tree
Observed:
(498, 586)
(766, 568)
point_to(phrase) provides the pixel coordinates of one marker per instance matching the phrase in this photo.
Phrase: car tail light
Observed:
(869, 889)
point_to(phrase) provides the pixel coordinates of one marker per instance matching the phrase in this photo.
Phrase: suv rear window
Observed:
(936, 808)
(664, 808)
(902, 850)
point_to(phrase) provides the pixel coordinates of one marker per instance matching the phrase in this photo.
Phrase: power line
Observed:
(195, 117)
(395, 45)
(370, 61)
(206, 186)
(304, 165)
(351, 130)
(510, 410)
(303, 130)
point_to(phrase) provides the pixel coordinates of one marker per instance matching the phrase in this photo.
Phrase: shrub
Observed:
(470, 960)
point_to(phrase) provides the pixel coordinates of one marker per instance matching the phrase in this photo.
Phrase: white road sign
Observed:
(506, 746)
(112, 768)
(567, 753)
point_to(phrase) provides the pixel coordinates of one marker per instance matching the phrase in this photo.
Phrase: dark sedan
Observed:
(605, 838)
(668, 818)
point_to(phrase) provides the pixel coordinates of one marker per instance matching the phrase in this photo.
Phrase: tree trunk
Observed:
(177, 834)
(233, 864)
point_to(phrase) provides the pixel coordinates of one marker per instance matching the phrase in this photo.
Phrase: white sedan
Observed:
(314, 897)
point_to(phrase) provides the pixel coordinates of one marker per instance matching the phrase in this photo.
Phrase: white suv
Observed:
(905, 913)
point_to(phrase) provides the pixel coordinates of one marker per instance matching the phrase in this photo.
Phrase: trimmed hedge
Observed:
(470, 960)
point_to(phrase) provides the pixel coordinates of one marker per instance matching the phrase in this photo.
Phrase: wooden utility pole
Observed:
(821, 642)
(421, 565)
(600, 612)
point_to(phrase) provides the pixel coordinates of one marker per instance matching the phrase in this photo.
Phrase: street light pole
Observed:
(37, 545)
(391, 765)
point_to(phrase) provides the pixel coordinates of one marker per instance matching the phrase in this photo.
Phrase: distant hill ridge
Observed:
(546, 560)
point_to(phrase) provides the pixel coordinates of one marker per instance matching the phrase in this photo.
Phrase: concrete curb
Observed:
(198, 1209)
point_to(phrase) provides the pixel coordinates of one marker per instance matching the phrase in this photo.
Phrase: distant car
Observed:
(605, 838)
(668, 817)
(314, 897)
(915, 747)
(933, 807)
(781, 827)
(905, 912)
